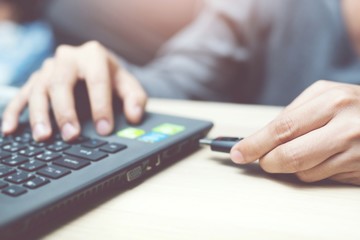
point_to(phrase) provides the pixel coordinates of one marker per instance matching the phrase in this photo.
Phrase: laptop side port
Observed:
(158, 161)
(134, 174)
(173, 151)
(153, 162)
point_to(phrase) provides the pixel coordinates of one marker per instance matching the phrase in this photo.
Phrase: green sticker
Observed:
(169, 129)
(131, 133)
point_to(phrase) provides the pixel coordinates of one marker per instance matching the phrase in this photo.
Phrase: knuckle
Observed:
(62, 50)
(65, 116)
(97, 80)
(94, 45)
(101, 108)
(55, 84)
(61, 79)
(39, 116)
(351, 133)
(284, 129)
(53, 87)
(38, 80)
(341, 97)
(290, 159)
(321, 84)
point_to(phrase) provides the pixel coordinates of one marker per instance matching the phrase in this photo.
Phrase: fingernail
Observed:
(103, 127)
(68, 131)
(6, 127)
(40, 131)
(237, 156)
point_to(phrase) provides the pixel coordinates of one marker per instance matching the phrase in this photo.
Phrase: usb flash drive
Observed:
(220, 144)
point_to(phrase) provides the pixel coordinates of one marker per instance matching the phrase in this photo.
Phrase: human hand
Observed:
(54, 83)
(316, 137)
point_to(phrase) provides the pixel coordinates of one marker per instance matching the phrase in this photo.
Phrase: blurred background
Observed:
(135, 29)
(30, 30)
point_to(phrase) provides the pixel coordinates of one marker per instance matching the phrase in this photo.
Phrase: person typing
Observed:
(245, 51)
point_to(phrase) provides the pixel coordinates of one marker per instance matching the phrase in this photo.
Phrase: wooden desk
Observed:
(206, 196)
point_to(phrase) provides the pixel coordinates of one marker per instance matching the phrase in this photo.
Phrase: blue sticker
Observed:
(153, 137)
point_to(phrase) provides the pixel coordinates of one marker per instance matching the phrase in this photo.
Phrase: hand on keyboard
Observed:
(53, 85)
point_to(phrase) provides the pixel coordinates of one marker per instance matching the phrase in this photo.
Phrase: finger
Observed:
(304, 152)
(286, 127)
(343, 162)
(61, 90)
(13, 110)
(39, 103)
(39, 114)
(96, 71)
(133, 96)
(352, 177)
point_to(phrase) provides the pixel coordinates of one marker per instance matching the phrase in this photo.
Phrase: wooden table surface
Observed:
(206, 196)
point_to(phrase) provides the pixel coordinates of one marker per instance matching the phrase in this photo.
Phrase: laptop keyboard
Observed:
(26, 165)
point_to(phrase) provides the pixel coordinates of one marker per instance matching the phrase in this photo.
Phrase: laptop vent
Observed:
(45, 215)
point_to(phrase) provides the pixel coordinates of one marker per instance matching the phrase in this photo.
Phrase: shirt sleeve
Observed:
(207, 59)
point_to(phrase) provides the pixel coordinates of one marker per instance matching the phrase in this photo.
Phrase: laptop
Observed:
(39, 181)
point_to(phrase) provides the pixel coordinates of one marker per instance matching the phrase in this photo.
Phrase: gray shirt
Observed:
(254, 51)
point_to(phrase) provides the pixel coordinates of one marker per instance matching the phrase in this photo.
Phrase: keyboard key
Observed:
(71, 162)
(19, 177)
(58, 146)
(36, 182)
(15, 160)
(113, 147)
(5, 141)
(48, 156)
(23, 138)
(30, 151)
(3, 184)
(39, 144)
(53, 172)
(94, 143)
(4, 170)
(88, 154)
(4, 154)
(14, 191)
(32, 165)
(14, 147)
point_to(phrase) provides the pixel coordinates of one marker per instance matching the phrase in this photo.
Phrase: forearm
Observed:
(200, 63)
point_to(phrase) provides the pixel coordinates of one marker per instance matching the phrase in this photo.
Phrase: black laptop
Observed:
(40, 180)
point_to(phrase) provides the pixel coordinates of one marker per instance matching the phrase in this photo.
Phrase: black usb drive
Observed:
(220, 144)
